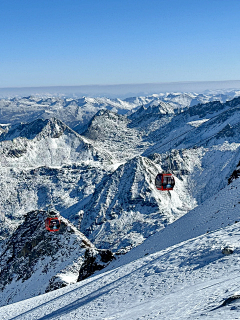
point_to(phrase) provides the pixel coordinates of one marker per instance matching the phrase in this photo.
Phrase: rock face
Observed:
(126, 208)
(94, 262)
(227, 250)
(35, 261)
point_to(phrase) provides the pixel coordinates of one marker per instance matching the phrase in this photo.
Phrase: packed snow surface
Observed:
(190, 279)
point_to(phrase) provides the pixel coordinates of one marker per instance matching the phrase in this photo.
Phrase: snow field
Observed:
(184, 281)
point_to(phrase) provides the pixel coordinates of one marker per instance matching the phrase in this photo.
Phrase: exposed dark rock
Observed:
(16, 153)
(228, 301)
(35, 257)
(55, 283)
(93, 263)
(227, 251)
(235, 174)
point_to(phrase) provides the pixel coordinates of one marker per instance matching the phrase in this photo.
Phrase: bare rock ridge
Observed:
(34, 257)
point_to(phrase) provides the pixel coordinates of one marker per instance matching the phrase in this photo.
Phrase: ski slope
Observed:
(185, 276)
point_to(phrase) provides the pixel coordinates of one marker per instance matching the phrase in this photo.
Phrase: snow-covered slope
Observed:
(187, 277)
(194, 126)
(204, 170)
(216, 213)
(46, 142)
(102, 179)
(126, 208)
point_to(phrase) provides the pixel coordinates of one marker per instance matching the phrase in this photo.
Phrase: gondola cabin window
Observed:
(52, 224)
(164, 181)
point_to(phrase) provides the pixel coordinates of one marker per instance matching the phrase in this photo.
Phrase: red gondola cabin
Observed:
(52, 224)
(165, 181)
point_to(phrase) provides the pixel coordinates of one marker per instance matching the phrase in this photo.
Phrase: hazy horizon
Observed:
(122, 90)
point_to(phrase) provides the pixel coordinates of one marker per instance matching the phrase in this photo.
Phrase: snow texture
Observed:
(183, 277)
(95, 160)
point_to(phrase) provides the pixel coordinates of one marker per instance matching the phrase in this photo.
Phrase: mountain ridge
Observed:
(102, 181)
(31, 257)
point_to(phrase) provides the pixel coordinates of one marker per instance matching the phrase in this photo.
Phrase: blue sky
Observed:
(84, 42)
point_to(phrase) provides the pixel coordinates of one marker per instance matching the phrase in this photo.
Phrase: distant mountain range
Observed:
(122, 90)
(95, 160)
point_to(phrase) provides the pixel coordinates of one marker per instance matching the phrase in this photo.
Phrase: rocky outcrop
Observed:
(94, 261)
(227, 250)
(235, 174)
(35, 260)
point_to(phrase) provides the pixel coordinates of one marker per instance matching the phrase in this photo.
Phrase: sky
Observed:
(108, 42)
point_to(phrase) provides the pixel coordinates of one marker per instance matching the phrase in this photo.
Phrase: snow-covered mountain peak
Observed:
(78, 111)
(113, 132)
(126, 207)
(107, 114)
(156, 108)
(50, 127)
(47, 142)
